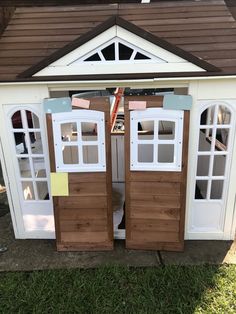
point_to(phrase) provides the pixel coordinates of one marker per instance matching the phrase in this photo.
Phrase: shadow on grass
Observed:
(116, 289)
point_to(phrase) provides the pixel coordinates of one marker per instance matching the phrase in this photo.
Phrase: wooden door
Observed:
(84, 218)
(155, 199)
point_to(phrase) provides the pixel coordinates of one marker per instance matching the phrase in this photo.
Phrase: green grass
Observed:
(169, 289)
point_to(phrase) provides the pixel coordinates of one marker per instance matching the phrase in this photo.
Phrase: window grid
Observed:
(33, 179)
(80, 116)
(214, 126)
(156, 115)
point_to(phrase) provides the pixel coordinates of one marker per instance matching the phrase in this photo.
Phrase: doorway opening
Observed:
(145, 133)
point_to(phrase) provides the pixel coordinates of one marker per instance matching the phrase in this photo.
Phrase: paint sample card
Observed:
(137, 105)
(56, 105)
(177, 102)
(59, 184)
(81, 103)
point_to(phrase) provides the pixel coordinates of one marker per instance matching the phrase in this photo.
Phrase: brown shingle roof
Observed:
(205, 29)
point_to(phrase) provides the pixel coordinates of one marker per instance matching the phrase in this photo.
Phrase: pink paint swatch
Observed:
(137, 105)
(81, 103)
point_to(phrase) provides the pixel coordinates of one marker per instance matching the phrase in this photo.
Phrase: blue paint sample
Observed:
(55, 105)
(177, 102)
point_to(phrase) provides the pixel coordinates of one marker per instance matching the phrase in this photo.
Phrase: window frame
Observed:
(79, 116)
(156, 115)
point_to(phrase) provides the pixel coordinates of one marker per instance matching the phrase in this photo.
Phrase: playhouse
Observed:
(118, 122)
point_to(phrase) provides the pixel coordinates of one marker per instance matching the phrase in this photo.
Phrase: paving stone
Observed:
(41, 254)
(203, 252)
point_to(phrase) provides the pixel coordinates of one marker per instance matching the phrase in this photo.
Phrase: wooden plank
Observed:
(210, 47)
(64, 20)
(191, 26)
(87, 189)
(87, 177)
(45, 34)
(26, 53)
(83, 225)
(34, 45)
(153, 225)
(157, 188)
(202, 39)
(154, 201)
(83, 202)
(53, 26)
(103, 246)
(195, 33)
(79, 214)
(154, 213)
(157, 246)
(19, 61)
(87, 237)
(176, 15)
(152, 236)
(155, 176)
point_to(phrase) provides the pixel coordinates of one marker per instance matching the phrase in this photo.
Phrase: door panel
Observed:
(155, 200)
(84, 218)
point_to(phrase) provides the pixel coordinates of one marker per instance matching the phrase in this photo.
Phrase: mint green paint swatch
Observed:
(177, 102)
(56, 105)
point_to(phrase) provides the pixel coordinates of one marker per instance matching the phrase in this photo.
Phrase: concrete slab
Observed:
(25, 255)
(202, 252)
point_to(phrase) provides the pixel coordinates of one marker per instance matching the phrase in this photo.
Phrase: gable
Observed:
(118, 51)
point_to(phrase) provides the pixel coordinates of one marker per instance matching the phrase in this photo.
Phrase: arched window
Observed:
(213, 152)
(30, 155)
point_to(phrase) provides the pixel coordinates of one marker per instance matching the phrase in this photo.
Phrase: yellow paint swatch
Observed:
(59, 184)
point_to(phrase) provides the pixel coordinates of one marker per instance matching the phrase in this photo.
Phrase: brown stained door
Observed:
(156, 144)
(84, 218)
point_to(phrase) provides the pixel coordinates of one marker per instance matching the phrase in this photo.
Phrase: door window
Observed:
(79, 139)
(156, 139)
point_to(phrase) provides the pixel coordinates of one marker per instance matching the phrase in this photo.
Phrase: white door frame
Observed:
(44, 211)
(228, 222)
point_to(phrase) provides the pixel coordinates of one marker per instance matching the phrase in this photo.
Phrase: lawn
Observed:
(115, 289)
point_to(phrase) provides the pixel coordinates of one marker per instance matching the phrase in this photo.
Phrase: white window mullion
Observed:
(117, 57)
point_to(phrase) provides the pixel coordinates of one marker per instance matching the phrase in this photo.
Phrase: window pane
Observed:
(166, 153)
(124, 52)
(89, 131)
(207, 117)
(94, 57)
(219, 165)
(28, 190)
(166, 130)
(203, 165)
(90, 154)
(205, 139)
(70, 155)
(109, 52)
(146, 130)
(223, 116)
(216, 189)
(20, 143)
(42, 189)
(17, 120)
(69, 132)
(36, 142)
(140, 56)
(39, 167)
(145, 153)
(201, 189)
(24, 167)
(221, 139)
(32, 120)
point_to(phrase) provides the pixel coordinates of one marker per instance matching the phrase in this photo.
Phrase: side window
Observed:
(79, 141)
(156, 139)
(213, 151)
(30, 155)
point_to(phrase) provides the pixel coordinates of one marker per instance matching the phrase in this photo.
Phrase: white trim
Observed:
(70, 64)
(156, 115)
(79, 116)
